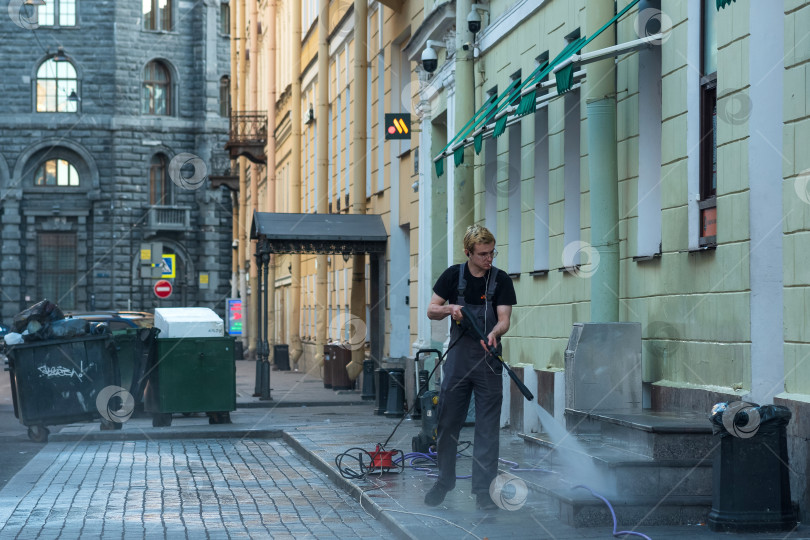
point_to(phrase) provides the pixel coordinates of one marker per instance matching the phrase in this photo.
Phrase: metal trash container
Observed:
(341, 358)
(328, 355)
(281, 357)
(368, 380)
(58, 381)
(396, 393)
(135, 348)
(750, 475)
(190, 375)
(381, 379)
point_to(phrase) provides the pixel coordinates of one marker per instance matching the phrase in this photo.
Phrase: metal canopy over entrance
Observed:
(319, 233)
(328, 234)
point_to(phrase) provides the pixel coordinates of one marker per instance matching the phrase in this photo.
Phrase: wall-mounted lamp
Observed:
(34, 3)
(346, 257)
(60, 55)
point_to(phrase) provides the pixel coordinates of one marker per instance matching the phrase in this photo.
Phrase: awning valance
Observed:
(319, 233)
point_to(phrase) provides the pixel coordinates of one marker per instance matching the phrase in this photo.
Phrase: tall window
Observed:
(57, 87)
(156, 98)
(708, 127)
(160, 192)
(157, 14)
(56, 268)
(56, 172)
(225, 18)
(58, 13)
(225, 96)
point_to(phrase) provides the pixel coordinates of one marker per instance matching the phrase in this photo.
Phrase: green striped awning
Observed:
(496, 104)
(565, 77)
(723, 3)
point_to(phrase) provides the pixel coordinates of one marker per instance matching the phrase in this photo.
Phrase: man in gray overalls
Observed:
(489, 295)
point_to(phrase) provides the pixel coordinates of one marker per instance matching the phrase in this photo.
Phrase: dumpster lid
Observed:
(319, 233)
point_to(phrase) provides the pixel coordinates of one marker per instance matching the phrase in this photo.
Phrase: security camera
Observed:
(474, 21)
(467, 46)
(430, 60)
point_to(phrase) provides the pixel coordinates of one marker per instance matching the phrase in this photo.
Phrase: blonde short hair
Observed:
(476, 234)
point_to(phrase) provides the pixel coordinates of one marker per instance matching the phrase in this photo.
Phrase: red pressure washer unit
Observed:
(383, 461)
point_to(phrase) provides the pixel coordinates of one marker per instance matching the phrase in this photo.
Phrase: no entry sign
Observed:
(163, 289)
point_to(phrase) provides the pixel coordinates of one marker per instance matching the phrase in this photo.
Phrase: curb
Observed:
(158, 434)
(352, 489)
(286, 404)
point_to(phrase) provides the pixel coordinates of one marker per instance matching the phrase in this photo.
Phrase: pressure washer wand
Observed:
(468, 321)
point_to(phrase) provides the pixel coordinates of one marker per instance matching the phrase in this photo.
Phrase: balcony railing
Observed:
(222, 173)
(169, 218)
(248, 136)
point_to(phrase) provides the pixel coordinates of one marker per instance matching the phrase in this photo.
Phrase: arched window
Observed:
(160, 190)
(57, 87)
(156, 90)
(157, 14)
(225, 96)
(57, 172)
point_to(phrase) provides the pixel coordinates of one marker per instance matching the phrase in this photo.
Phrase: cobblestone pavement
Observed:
(216, 488)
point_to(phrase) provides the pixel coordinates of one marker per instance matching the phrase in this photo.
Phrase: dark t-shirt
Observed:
(447, 287)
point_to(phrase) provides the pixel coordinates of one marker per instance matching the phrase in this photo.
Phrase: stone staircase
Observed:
(654, 467)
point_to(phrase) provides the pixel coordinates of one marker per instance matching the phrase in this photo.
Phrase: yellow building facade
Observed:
(276, 74)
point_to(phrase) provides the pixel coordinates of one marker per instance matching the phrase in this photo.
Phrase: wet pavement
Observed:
(270, 474)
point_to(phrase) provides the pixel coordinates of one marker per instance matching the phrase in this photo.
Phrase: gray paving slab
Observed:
(193, 487)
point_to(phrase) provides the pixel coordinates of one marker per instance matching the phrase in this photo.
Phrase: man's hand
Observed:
(492, 341)
(455, 312)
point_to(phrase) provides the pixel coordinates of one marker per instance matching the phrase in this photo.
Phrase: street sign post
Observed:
(163, 289)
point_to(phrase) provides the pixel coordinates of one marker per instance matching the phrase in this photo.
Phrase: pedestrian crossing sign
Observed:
(169, 269)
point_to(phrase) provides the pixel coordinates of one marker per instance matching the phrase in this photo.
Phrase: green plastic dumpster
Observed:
(58, 381)
(135, 348)
(191, 375)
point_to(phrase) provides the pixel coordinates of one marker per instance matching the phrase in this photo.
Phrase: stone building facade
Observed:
(114, 115)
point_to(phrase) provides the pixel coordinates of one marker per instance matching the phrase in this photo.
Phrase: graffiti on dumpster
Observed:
(60, 371)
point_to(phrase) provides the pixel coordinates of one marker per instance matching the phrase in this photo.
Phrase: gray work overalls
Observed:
(469, 367)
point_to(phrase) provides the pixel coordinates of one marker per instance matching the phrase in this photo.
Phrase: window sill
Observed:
(514, 275)
(167, 32)
(707, 247)
(646, 258)
(538, 273)
(572, 270)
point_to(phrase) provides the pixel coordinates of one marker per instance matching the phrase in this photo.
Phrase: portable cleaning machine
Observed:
(427, 403)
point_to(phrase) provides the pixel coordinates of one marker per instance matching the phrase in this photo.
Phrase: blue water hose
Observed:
(613, 514)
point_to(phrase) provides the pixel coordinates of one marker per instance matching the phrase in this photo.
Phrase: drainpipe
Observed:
(271, 168)
(236, 260)
(253, 318)
(322, 163)
(244, 241)
(295, 183)
(601, 113)
(358, 201)
(463, 189)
